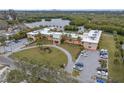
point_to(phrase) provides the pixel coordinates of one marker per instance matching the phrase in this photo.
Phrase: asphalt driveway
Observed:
(90, 64)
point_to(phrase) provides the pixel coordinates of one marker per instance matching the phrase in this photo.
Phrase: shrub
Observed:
(117, 54)
(116, 61)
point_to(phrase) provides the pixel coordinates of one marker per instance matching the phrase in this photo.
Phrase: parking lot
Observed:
(11, 46)
(90, 63)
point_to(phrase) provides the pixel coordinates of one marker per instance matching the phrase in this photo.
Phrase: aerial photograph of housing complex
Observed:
(61, 46)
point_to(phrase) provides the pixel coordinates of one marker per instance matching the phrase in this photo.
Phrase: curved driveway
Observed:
(69, 65)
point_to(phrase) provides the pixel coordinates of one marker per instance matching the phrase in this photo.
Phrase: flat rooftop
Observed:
(47, 31)
(34, 32)
(92, 36)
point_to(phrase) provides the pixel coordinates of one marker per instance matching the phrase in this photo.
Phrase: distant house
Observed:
(10, 29)
(32, 35)
(90, 40)
(81, 29)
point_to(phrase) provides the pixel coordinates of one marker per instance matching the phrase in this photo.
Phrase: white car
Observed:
(99, 72)
(83, 53)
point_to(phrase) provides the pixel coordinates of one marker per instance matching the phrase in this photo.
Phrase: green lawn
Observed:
(116, 71)
(121, 37)
(36, 56)
(73, 49)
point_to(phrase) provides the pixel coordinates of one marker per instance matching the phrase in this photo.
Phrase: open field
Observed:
(116, 71)
(35, 56)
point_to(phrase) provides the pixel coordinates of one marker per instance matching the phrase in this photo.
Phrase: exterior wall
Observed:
(76, 42)
(56, 40)
(90, 46)
(49, 38)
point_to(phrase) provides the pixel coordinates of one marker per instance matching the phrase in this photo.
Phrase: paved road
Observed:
(6, 61)
(69, 65)
(90, 64)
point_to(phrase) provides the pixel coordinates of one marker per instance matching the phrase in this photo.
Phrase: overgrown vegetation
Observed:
(106, 21)
(31, 73)
(71, 28)
(116, 70)
(118, 56)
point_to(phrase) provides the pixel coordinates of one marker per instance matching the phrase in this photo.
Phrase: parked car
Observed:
(78, 66)
(83, 53)
(102, 72)
(16, 41)
(99, 80)
(102, 69)
(104, 53)
(98, 72)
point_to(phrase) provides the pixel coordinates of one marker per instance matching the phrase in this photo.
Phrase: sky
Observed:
(61, 4)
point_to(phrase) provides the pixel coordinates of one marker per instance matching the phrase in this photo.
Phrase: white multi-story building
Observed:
(91, 39)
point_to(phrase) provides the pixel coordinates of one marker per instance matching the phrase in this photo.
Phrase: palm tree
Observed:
(39, 41)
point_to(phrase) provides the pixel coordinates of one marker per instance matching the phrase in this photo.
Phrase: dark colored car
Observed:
(78, 66)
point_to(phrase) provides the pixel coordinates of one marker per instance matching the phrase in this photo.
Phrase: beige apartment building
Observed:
(91, 39)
